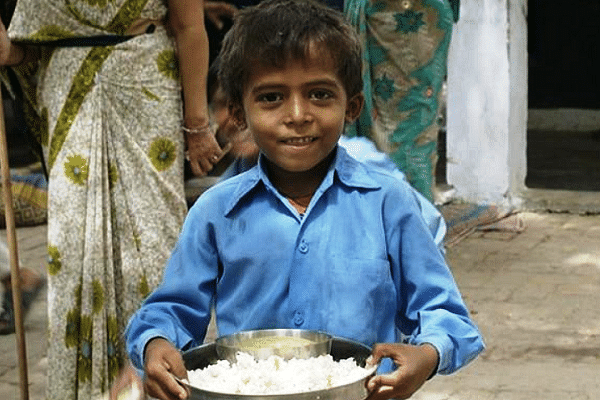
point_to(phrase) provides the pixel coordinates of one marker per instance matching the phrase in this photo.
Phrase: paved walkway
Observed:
(535, 296)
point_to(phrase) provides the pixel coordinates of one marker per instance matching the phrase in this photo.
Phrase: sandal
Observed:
(7, 317)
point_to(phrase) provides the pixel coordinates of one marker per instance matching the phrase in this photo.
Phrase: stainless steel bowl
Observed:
(203, 356)
(285, 343)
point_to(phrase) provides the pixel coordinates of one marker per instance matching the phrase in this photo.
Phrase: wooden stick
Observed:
(14, 259)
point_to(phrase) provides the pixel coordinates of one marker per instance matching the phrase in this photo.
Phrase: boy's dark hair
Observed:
(275, 31)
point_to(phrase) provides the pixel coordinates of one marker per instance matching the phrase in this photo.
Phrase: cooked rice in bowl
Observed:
(275, 375)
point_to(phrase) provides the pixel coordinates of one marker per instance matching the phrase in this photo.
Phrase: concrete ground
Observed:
(535, 296)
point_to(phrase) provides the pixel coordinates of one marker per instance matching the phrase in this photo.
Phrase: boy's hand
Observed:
(162, 362)
(415, 365)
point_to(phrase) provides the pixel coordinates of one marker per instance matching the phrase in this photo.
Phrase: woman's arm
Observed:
(10, 53)
(186, 18)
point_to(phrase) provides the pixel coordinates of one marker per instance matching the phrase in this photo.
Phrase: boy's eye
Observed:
(321, 94)
(270, 97)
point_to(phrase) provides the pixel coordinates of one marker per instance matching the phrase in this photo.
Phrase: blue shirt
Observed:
(360, 263)
(364, 150)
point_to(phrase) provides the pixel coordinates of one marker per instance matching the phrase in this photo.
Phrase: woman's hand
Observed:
(216, 11)
(9, 53)
(415, 365)
(162, 362)
(5, 45)
(12, 54)
(203, 152)
(187, 22)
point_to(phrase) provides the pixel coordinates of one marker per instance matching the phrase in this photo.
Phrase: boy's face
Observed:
(297, 113)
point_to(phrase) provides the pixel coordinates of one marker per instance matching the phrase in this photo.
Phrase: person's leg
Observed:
(31, 283)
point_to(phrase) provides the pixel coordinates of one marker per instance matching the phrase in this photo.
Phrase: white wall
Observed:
(487, 109)
(518, 115)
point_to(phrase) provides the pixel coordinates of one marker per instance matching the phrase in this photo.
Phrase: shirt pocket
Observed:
(361, 299)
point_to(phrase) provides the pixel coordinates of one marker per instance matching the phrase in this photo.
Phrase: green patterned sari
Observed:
(405, 55)
(109, 123)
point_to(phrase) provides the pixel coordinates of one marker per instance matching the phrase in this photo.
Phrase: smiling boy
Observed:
(309, 238)
(296, 115)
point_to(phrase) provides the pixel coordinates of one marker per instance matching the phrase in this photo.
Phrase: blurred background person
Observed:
(404, 61)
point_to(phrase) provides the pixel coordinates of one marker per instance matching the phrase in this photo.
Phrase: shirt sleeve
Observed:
(430, 307)
(179, 310)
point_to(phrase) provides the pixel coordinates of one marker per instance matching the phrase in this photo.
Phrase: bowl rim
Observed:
(316, 336)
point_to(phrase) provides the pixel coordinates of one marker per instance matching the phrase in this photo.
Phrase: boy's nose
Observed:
(299, 111)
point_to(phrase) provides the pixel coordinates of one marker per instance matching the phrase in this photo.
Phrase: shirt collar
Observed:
(349, 172)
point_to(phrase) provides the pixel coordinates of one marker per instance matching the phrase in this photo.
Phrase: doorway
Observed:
(564, 60)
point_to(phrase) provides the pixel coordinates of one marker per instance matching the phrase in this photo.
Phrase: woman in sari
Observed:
(405, 55)
(113, 126)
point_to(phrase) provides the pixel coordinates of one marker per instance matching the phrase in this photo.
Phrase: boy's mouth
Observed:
(299, 141)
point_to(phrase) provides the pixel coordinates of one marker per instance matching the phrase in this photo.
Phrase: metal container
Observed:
(203, 356)
(285, 343)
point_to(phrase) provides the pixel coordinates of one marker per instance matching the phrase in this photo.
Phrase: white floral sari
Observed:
(113, 147)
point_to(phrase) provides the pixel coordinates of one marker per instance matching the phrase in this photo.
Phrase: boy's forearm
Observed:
(432, 356)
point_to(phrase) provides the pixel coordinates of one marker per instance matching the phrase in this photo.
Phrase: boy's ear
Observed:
(354, 107)
(238, 116)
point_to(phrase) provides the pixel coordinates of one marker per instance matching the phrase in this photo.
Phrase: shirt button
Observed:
(298, 319)
(303, 247)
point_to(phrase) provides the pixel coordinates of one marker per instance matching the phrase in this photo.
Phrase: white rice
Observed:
(275, 375)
